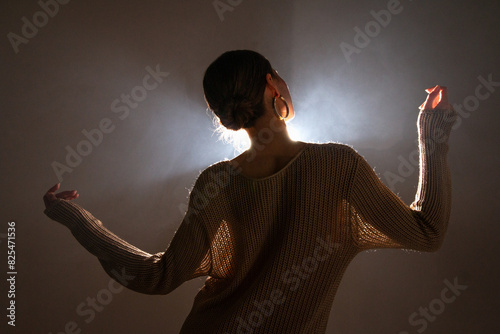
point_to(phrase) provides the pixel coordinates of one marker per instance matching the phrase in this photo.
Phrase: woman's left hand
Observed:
(437, 98)
(50, 197)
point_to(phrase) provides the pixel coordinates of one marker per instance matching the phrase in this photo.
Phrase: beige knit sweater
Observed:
(274, 249)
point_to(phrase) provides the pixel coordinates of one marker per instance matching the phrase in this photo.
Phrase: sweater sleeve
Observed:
(186, 257)
(379, 219)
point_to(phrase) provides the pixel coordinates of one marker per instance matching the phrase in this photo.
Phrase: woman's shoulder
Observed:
(332, 156)
(335, 148)
(219, 172)
(324, 153)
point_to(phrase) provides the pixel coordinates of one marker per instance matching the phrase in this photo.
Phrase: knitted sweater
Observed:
(274, 249)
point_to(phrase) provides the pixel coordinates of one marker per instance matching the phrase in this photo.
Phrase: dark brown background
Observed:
(66, 77)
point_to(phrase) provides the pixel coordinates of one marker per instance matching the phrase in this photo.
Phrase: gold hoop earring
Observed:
(276, 111)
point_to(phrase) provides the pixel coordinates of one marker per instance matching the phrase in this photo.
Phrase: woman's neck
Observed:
(270, 140)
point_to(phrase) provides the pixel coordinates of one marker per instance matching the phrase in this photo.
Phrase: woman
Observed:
(275, 228)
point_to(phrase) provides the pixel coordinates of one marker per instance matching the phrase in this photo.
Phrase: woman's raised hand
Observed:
(437, 98)
(50, 197)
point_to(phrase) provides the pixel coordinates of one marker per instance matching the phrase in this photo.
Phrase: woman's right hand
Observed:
(437, 98)
(50, 197)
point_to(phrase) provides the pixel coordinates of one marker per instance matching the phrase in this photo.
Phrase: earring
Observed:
(276, 111)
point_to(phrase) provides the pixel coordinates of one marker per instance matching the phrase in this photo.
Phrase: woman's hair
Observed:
(234, 87)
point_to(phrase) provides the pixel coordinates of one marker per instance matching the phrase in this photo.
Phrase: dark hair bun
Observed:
(237, 113)
(234, 86)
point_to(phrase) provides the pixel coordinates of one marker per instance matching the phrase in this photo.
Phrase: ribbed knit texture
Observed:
(275, 249)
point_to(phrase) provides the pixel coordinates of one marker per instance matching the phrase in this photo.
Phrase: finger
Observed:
(49, 195)
(65, 194)
(430, 90)
(48, 198)
(435, 91)
(435, 97)
(54, 188)
(443, 99)
(70, 197)
(430, 101)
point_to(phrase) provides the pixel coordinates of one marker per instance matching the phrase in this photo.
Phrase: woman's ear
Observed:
(271, 84)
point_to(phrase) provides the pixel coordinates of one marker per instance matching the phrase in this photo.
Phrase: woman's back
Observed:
(279, 244)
